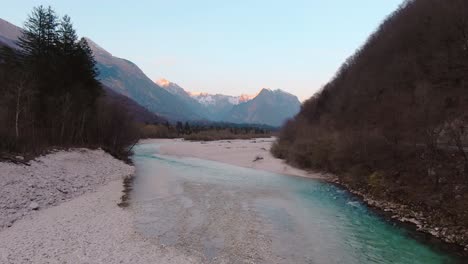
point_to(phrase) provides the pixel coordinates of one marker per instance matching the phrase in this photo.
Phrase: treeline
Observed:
(205, 131)
(393, 122)
(49, 94)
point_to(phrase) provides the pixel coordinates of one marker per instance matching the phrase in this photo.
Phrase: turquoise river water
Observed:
(228, 214)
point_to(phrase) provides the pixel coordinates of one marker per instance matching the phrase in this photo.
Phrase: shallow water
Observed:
(227, 214)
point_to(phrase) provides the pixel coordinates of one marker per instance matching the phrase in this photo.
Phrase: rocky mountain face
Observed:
(169, 100)
(173, 88)
(126, 78)
(216, 105)
(199, 110)
(271, 107)
(215, 99)
(9, 33)
(136, 111)
(268, 107)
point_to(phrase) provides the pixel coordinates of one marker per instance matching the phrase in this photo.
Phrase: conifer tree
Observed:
(67, 36)
(39, 33)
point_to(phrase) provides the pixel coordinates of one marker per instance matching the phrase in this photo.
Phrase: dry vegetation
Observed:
(223, 134)
(50, 97)
(204, 132)
(393, 122)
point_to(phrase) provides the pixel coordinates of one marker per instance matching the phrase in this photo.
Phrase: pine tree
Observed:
(39, 33)
(67, 36)
(179, 127)
(88, 68)
(49, 91)
(187, 129)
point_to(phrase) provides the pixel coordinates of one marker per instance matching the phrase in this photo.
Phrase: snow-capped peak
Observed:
(163, 82)
(212, 99)
(205, 98)
(246, 97)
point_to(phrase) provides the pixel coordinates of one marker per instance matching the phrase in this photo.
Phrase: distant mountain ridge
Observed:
(169, 100)
(272, 107)
(127, 78)
(10, 33)
(267, 107)
(207, 99)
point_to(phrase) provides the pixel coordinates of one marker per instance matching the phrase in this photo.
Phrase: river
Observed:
(227, 214)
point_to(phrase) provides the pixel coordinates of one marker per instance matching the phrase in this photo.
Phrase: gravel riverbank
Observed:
(63, 208)
(54, 178)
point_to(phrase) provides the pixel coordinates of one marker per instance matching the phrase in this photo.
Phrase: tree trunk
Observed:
(18, 110)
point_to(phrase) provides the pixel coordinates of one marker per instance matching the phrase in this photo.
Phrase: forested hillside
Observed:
(49, 94)
(393, 122)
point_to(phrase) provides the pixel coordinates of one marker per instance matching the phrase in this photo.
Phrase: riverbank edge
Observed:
(448, 238)
(57, 177)
(412, 219)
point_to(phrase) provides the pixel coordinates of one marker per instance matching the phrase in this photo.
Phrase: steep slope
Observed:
(126, 78)
(173, 88)
(170, 100)
(220, 99)
(213, 107)
(217, 105)
(136, 111)
(195, 107)
(268, 107)
(393, 122)
(9, 33)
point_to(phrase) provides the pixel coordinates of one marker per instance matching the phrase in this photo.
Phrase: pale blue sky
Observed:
(229, 47)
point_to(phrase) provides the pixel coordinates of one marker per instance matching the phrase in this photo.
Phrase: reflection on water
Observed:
(228, 214)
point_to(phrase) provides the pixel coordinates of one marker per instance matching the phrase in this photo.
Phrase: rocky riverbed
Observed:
(422, 221)
(52, 179)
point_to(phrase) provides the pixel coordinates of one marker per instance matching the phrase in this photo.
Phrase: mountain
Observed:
(9, 33)
(210, 109)
(136, 111)
(124, 77)
(173, 88)
(169, 100)
(217, 105)
(197, 109)
(268, 107)
(214, 99)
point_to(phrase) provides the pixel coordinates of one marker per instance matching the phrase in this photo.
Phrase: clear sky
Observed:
(221, 46)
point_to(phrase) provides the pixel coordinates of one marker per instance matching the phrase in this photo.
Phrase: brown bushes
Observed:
(393, 121)
(222, 134)
(50, 96)
(157, 131)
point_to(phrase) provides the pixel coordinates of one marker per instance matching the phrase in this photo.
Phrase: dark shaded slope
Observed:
(393, 123)
(136, 111)
(268, 107)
